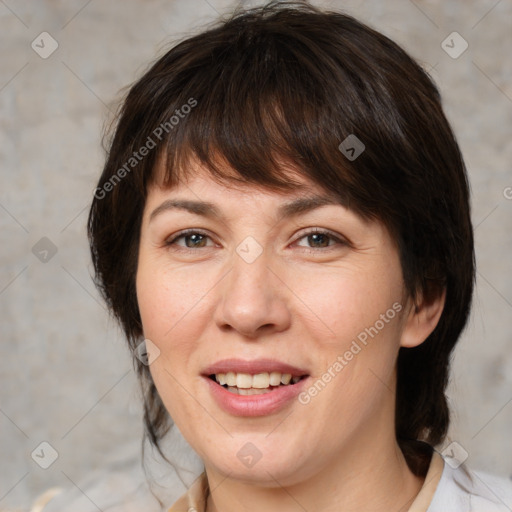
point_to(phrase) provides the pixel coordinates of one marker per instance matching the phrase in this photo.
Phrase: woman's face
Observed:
(242, 289)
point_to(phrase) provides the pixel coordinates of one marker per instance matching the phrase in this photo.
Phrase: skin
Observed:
(302, 301)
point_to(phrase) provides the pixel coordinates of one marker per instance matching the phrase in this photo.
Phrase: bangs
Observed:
(245, 151)
(266, 102)
(263, 114)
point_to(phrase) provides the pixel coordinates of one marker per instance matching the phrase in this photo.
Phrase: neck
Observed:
(371, 473)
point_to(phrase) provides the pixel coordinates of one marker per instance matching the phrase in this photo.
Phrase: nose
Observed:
(254, 300)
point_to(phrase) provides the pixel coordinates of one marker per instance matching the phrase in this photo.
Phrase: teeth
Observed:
(249, 384)
(243, 381)
(230, 379)
(261, 381)
(286, 378)
(275, 379)
(247, 392)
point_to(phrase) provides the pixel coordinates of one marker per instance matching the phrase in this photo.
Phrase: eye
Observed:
(319, 239)
(190, 240)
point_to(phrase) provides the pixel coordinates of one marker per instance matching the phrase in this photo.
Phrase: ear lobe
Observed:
(423, 318)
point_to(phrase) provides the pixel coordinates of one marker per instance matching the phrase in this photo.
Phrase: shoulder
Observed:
(462, 489)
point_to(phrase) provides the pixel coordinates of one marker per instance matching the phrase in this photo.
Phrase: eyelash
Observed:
(316, 231)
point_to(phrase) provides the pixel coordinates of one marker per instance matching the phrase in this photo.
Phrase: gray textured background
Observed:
(66, 375)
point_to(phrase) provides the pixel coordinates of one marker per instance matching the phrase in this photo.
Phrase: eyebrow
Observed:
(207, 209)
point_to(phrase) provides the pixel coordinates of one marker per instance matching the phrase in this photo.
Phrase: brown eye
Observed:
(196, 240)
(190, 240)
(319, 240)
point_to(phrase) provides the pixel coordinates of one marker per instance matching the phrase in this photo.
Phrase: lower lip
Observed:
(254, 405)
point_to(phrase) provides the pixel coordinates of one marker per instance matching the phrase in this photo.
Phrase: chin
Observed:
(267, 465)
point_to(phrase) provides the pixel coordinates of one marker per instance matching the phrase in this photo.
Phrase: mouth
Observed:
(255, 384)
(253, 388)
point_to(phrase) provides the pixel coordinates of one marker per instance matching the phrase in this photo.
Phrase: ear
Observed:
(423, 318)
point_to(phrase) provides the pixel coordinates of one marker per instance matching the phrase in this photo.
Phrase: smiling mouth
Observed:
(255, 384)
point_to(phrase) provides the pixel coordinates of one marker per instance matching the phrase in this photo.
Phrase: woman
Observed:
(282, 229)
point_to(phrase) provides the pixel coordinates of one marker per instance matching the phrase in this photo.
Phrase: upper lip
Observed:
(253, 367)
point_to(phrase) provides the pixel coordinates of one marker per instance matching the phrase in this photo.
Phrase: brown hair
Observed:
(288, 82)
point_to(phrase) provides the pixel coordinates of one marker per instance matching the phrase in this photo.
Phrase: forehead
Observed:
(197, 180)
(243, 203)
(226, 199)
(229, 194)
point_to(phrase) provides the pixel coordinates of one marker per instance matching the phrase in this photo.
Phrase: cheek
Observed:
(356, 324)
(167, 297)
(172, 309)
(341, 303)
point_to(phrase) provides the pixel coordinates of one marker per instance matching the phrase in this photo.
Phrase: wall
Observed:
(66, 374)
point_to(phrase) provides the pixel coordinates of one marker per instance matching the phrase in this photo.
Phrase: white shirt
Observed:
(463, 490)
